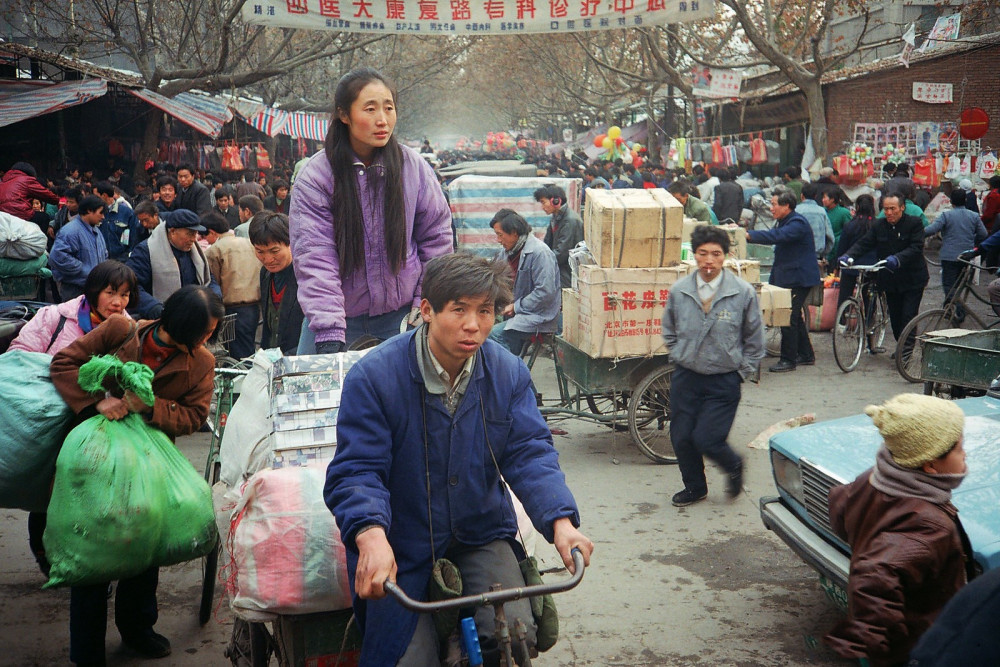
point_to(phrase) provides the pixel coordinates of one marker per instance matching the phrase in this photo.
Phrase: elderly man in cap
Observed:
(168, 260)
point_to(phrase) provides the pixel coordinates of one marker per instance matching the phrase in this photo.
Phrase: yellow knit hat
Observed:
(917, 428)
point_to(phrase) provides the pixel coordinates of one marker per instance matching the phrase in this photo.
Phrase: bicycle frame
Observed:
(963, 288)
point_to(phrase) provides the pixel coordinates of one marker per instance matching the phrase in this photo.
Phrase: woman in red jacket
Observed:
(19, 186)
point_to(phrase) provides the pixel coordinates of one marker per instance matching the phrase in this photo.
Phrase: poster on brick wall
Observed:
(933, 93)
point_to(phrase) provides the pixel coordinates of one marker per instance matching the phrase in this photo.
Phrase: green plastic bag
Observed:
(124, 499)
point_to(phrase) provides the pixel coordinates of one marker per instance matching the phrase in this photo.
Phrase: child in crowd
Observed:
(909, 553)
(279, 303)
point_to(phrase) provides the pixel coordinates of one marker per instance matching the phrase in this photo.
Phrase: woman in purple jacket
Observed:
(366, 215)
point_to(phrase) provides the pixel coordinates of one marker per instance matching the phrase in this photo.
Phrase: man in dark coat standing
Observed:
(192, 195)
(728, 202)
(899, 239)
(565, 230)
(795, 268)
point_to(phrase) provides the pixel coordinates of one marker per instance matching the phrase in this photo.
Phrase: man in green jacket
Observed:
(693, 207)
(838, 215)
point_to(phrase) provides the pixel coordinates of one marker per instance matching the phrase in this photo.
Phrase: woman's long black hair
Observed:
(387, 177)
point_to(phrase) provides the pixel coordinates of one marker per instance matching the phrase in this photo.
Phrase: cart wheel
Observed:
(649, 415)
(250, 645)
(210, 562)
(210, 567)
(610, 404)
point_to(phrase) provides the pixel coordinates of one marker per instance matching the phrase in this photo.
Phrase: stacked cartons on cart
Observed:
(617, 308)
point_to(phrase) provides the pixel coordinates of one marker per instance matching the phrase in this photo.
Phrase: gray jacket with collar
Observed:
(729, 338)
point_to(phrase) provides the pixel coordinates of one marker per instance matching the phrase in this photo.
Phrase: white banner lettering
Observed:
(473, 17)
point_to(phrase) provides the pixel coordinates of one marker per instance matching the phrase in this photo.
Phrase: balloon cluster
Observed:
(894, 155)
(859, 153)
(499, 142)
(616, 147)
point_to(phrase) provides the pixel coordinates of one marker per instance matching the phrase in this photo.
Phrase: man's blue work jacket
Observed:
(378, 473)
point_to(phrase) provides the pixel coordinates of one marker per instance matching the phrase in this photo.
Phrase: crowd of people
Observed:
(360, 244)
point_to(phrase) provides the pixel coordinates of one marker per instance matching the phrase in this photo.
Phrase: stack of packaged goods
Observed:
(284, 546)
(617, 307)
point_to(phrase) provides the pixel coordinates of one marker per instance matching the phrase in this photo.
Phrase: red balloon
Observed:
(619, 141)
(599, 140)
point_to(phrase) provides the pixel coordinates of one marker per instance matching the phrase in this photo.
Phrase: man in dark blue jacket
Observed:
(428, 422)
(796, 268)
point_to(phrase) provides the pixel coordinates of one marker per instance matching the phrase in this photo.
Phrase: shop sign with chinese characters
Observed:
(933, 93)
(473, 17)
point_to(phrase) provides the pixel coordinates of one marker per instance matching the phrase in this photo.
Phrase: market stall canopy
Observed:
(296, 124)
(17, 103)
(202, 114)
(460, 17)
(489, 168)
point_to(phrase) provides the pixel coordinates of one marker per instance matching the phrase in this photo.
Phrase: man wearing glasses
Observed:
(713, 328)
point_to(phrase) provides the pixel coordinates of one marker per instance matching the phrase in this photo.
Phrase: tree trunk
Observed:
(817, 118)
(150, 139)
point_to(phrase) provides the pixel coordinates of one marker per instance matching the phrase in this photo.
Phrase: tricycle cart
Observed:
(958, 362)
(627, 393)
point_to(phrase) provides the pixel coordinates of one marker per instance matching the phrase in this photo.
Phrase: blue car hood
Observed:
(846, 447)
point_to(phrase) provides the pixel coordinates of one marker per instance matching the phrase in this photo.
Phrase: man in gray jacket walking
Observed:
(712, 326)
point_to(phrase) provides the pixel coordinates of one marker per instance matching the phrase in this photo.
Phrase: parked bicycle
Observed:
(861, 320)
(954, 314)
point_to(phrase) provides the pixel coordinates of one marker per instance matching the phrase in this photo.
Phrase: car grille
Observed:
(816, 484)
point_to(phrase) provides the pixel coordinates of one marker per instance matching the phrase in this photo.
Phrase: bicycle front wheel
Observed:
(848, 335)
(909, 347)
(878, 323)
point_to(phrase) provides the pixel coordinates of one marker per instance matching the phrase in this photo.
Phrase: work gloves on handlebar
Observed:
(330, 347)
(892, 262)
(969, 255)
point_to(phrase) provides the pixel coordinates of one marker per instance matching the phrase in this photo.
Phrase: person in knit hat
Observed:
(909, 552)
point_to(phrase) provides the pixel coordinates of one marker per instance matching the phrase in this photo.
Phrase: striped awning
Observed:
(48, 99)
(296, 124)
(302, 125)
(208, 121)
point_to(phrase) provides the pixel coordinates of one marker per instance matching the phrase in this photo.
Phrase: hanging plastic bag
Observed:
(263, 157)
(758, 151)
(716, 151)
(124, 498)
(35, 419)
(965, 166)
(773, 152)
(953, 168)
(986, 165)
(925, 173)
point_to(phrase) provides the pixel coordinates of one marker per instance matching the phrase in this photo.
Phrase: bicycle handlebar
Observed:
(877, 266)
(489, 597)
(991, 269)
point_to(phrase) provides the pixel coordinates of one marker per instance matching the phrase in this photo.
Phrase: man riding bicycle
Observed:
(428, 422)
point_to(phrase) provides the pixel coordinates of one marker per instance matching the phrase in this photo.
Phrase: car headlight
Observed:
(787, 475)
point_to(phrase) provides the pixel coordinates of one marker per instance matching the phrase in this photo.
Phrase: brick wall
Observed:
(887, 97)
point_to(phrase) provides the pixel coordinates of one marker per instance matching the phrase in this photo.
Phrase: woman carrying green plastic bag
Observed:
(182, 382)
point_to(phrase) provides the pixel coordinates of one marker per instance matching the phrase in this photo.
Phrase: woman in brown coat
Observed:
(909, 553)
(174, 347)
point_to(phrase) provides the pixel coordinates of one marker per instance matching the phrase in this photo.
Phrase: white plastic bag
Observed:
(20, 239)
(244, 448)
(579, 255)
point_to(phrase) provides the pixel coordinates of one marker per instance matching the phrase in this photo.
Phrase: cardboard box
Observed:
(737, 241)
(689, 225)
(571, 316)
(633, 228)
(620, 311)
(775, 305)
(747, 269)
